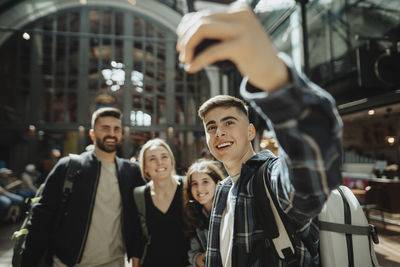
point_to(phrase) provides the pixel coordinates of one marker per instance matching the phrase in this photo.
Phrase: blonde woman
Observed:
(163, 241)
(202, 178)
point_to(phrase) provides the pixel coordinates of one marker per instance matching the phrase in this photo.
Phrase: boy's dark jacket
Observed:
(67, 241)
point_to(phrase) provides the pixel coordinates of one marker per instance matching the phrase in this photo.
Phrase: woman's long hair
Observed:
(192, 210)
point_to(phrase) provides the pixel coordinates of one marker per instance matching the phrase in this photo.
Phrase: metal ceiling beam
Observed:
(303, 8)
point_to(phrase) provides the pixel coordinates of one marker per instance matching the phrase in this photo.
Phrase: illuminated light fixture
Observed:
(115, 77)
(83, 2)
(371, 112)
(26, 36)
(56, 153)
(32, 128)
(390, 140)
(140, 118)
(170, 131)
(115, 87)
(132, 2)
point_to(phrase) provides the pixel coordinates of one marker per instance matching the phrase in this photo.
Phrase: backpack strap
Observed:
(72, 170)
(139, 198)
(347, 220)
(345, 228)
(267, 208)
(263, 208)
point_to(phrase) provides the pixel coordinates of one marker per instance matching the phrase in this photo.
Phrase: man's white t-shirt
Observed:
(226, 229)
(104, 245)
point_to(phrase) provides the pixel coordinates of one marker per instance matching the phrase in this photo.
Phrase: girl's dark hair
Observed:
(192, 210)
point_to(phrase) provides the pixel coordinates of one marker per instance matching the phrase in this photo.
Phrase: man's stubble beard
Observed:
(100, 144)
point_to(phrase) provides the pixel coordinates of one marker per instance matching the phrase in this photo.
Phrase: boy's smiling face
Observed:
(229, 134)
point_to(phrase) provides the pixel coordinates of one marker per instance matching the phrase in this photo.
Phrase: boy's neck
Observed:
(234, 167)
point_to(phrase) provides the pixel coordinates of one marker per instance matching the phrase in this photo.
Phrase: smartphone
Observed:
(214, 6)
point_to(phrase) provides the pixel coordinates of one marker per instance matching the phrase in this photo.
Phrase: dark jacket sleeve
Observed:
(42, 222)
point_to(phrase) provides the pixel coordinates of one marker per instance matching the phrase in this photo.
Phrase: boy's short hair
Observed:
(222, 101)
(105, 112)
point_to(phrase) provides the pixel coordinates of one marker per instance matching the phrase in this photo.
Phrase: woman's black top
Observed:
(168, 245)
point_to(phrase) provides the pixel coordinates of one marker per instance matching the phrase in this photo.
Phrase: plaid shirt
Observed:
(308, 128)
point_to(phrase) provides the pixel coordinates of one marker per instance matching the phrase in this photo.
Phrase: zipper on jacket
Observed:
(80, 254)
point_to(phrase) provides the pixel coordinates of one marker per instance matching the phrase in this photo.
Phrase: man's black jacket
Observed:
(67, 240)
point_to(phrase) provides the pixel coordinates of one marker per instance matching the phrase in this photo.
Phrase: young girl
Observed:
(165, 243)
(201, 180)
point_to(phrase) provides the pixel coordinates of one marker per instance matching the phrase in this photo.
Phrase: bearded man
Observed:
(96, 222)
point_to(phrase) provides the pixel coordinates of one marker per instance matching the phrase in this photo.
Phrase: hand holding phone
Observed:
(211, 6)
(238, 36)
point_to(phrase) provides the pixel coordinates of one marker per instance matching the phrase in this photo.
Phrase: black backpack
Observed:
(19, 236)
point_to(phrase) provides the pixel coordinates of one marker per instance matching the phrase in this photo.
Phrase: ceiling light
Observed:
(391, 140)
(26, 36)
(371, 112)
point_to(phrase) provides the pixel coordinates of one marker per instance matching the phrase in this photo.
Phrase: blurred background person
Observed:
(31, 177)
(14, 185)
(5, 204)
(10, 205)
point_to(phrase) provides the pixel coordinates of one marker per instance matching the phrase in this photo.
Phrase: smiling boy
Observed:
(304, 119)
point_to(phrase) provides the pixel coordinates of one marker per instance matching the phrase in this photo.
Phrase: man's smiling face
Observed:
(107, 134)
(228, 133)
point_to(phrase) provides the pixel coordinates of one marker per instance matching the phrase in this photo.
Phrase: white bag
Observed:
(346, 238)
